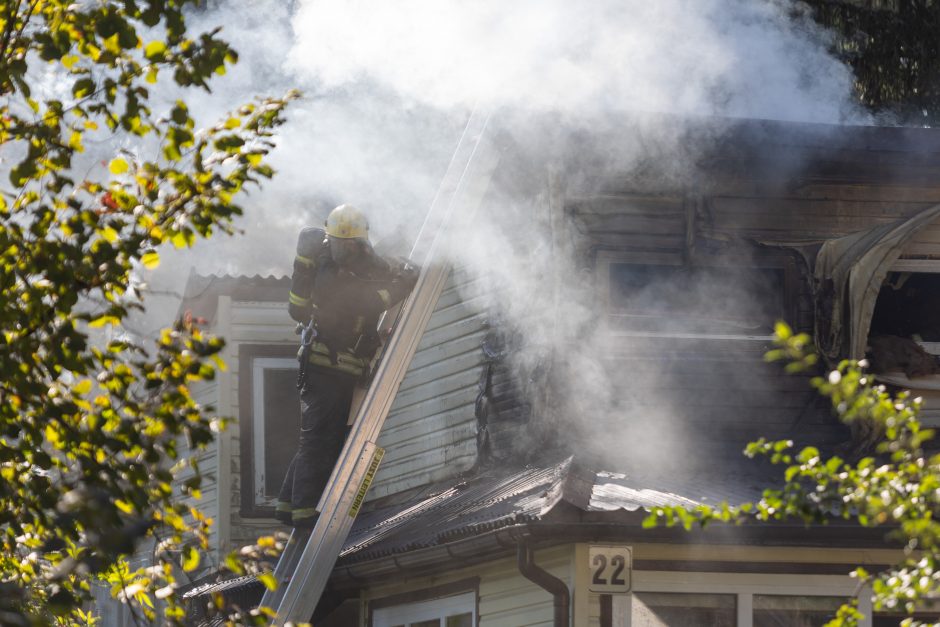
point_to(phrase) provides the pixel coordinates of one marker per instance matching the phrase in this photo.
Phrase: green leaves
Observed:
(114, 422)
(118, 166)
(83, 87)
(190, 559)
(155, 51)
(899, 489)
(150, 260)
(892, 50)
(795, 349)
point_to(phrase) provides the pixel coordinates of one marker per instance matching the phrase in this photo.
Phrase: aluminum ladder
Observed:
(307, 561)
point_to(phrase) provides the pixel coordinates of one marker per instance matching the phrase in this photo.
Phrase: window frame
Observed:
(251, 444)
(605, 258)
(417, 599)
(910, 264)
(746, 585)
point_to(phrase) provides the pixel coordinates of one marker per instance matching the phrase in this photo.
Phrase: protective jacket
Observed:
(345, 302)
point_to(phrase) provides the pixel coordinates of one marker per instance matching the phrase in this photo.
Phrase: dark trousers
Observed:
(324, 405)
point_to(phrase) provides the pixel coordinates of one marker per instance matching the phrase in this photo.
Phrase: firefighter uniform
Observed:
(345, 296)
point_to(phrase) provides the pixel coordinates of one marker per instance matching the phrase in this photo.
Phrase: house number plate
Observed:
(610, 568)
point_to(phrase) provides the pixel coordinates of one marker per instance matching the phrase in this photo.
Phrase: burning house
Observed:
(530, 436)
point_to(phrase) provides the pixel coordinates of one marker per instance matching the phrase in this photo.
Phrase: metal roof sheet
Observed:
(492, 500)
(502, 497)
(222, 586)
(202, 292)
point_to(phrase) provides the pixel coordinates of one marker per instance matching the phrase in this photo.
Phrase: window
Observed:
(443, 606)
(673, 609)
(907, 306)
(269, 416)
(886, 619)
(658, 296)
(732, 599)
(806, 611)
(905, 332)
(665, 609)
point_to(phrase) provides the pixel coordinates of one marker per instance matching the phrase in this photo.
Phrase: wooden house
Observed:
(496, 506)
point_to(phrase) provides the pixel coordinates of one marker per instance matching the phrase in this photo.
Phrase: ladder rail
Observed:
(304, 575)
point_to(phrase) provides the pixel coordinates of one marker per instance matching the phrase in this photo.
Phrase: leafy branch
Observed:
(897, 489)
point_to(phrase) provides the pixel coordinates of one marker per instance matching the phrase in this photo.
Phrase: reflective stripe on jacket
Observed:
(345, 361)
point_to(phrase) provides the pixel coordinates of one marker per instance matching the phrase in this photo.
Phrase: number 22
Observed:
(618, 562)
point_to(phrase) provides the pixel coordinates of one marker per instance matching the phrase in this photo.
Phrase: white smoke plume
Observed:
(388, 86)
(739, 58)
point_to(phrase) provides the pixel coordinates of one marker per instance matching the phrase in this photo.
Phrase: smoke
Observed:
(739, 58)
(388, 87)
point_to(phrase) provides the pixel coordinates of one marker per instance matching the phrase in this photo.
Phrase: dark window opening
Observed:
(907, 306)
(905, 328)
(886, 619)
(707, 300)
(281, 425)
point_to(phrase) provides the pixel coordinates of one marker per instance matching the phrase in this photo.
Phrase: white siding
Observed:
(507, 599)
(261, 323)
(430, 434)
(250, 323)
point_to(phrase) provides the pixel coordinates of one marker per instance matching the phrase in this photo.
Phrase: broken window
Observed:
(905, 328)
(907, 305)
(849, 273)
(673, 300)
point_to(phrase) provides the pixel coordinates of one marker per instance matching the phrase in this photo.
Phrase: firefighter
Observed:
(339, 288)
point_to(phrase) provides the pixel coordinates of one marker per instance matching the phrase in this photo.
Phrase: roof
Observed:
(502, 497)
(222, 586)
(721, 152)
(890, 155)
(244, 592)
(201, 294)
(487, 515)
(493, 514)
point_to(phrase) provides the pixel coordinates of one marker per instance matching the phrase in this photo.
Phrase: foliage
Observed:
(94, 425)
(893, 48)
(898, 489)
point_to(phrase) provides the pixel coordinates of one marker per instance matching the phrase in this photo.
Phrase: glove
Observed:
(403, 281)
(408, 274)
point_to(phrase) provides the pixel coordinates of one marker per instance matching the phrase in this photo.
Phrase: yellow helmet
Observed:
(347, 222)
